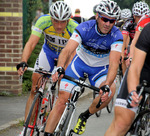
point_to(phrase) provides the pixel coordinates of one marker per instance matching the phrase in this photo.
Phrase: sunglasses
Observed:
(105, 19)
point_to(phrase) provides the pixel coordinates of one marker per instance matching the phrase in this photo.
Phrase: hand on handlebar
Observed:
(133, 99)
(58, 72)
(105, 91)
(21, 68)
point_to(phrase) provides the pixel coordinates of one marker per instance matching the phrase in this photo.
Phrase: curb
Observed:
(11, 123)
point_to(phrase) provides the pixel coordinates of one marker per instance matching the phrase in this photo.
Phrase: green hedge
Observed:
(29, 10)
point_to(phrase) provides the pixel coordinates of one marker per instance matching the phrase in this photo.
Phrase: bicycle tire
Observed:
(70, 111)
(110, 105)
(30, 113)
(98, 113)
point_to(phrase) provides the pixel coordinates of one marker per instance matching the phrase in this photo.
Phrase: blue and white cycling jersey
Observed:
(94, 48)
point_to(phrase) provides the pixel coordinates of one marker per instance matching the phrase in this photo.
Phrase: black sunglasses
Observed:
(105, 19)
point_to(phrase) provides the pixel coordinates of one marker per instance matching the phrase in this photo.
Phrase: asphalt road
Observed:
(95, 125)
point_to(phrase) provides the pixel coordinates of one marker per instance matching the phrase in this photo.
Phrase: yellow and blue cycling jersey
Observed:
(53, 41)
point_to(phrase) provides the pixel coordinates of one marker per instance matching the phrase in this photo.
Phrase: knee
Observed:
(61, 101)
(123, 119)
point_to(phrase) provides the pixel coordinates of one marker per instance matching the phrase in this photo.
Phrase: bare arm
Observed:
(125, 43)
(67, 52)
(135, 69)
(64, 57)
(114, 59)
(132, 46)
(29, 47)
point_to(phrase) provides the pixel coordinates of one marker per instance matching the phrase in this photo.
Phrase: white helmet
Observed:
(140, 9)
(125, 13)
(60, 11)
(109, 8)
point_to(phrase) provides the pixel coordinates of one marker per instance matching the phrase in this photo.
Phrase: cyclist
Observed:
(128, 30)
(98, 44)
(57, 28)
(141, 24)
(138, 70)
(125, 14)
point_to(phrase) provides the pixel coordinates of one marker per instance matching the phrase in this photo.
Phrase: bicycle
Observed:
(42, 103)
(141, 123)
(64, 124)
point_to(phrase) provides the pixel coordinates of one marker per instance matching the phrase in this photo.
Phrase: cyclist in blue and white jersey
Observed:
(57, 28)
(98, 44)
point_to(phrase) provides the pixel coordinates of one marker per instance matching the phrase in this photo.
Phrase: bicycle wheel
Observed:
(110, 105)
(98, 113)
(33, 126)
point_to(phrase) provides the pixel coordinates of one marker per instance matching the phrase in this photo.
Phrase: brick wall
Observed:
(10, 45)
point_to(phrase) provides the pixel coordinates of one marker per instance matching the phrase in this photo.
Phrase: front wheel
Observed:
(34, 107)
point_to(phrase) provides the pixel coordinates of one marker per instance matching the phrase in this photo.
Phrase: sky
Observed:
(85, 6)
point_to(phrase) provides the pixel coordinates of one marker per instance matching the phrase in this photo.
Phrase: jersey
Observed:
(94, 48)
(54, 42)
(143, 44)
(129, 28)
(143, 22)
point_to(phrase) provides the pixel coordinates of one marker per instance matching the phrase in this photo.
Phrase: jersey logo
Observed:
(66, 85)
(76, 35)
(116, 45)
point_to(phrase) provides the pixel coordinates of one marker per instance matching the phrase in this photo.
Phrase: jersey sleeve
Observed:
(76, 37)
(40, 25)
(143, 42)
(118, 42)
(142, 23)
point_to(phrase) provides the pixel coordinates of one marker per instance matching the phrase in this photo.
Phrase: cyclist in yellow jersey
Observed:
(57, 28)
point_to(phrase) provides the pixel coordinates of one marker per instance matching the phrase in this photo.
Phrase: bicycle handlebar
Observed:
(47, 73)
(79, 82)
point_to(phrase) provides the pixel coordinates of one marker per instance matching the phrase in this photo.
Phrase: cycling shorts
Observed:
(121, 99)
(77, 68)
(46, 60)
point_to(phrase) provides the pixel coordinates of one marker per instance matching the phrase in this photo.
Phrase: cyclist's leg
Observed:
(35, 77)
(97, 75)
(57, 111)
(66, 87)
(123, 117)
